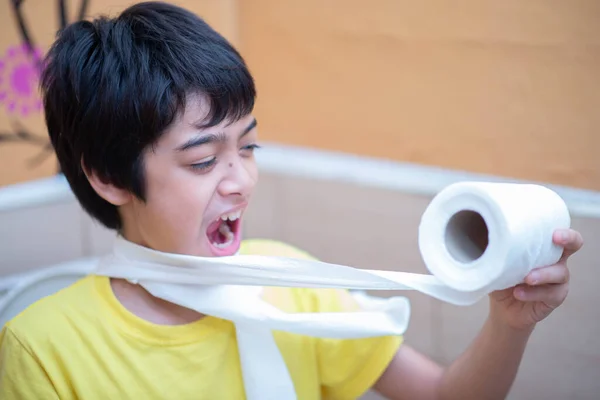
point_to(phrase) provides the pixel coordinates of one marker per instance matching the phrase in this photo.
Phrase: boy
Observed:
(150, 115)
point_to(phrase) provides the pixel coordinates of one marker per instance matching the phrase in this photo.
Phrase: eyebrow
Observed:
(213, 137)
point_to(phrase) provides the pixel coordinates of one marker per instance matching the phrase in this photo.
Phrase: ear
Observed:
(105, 189)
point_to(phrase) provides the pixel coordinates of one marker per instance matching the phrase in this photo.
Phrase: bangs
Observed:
(230, 98)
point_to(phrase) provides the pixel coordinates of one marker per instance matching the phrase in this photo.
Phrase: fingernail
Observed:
(564, 235)
(520, 293)
(534, 277)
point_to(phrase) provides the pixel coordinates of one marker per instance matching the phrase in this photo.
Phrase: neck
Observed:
(149, 308)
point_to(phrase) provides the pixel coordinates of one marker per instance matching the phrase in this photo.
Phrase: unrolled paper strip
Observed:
(474, 238)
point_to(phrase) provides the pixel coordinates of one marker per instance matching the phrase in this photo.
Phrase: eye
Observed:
(204, 165)
(250, 148)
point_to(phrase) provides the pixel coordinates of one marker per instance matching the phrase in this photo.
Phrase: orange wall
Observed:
(510, 88)
(504, 87)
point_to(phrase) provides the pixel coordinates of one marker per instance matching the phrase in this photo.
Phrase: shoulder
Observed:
(298, 299)
(45, 317)
(351, 365)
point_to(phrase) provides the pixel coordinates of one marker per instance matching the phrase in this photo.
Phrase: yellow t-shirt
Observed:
(81, 343)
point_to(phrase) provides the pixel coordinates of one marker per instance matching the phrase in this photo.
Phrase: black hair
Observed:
(112, 86)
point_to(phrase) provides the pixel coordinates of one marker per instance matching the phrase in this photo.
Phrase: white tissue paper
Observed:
(473, 237)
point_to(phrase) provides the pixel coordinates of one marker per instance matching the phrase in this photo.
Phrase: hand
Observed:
(545, 288)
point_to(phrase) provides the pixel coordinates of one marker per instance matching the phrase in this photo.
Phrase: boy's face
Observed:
(198, 184)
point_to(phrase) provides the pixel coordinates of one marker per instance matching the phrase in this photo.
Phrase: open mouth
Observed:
(224, 233)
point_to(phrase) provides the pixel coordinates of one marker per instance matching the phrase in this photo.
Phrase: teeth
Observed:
(231, 216)
(225, 231)
(223, 245)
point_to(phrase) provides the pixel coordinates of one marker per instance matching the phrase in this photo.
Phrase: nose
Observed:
(240, 178)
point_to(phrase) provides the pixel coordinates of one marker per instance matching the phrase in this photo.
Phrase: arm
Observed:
(487, 369)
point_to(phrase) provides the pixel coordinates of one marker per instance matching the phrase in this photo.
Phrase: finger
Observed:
(569, 239)
(557, 273)
(551, 295)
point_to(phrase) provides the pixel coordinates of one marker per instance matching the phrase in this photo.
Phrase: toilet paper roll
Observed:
(480, 236)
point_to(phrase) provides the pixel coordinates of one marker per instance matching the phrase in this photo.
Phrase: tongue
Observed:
(213, 231)
(212, 228)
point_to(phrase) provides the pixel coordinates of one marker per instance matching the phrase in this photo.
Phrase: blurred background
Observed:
(366, 110)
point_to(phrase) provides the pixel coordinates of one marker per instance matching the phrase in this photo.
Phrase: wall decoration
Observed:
(19, 76)
(20, 68)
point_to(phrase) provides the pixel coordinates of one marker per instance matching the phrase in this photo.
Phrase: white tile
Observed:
(39, 236)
